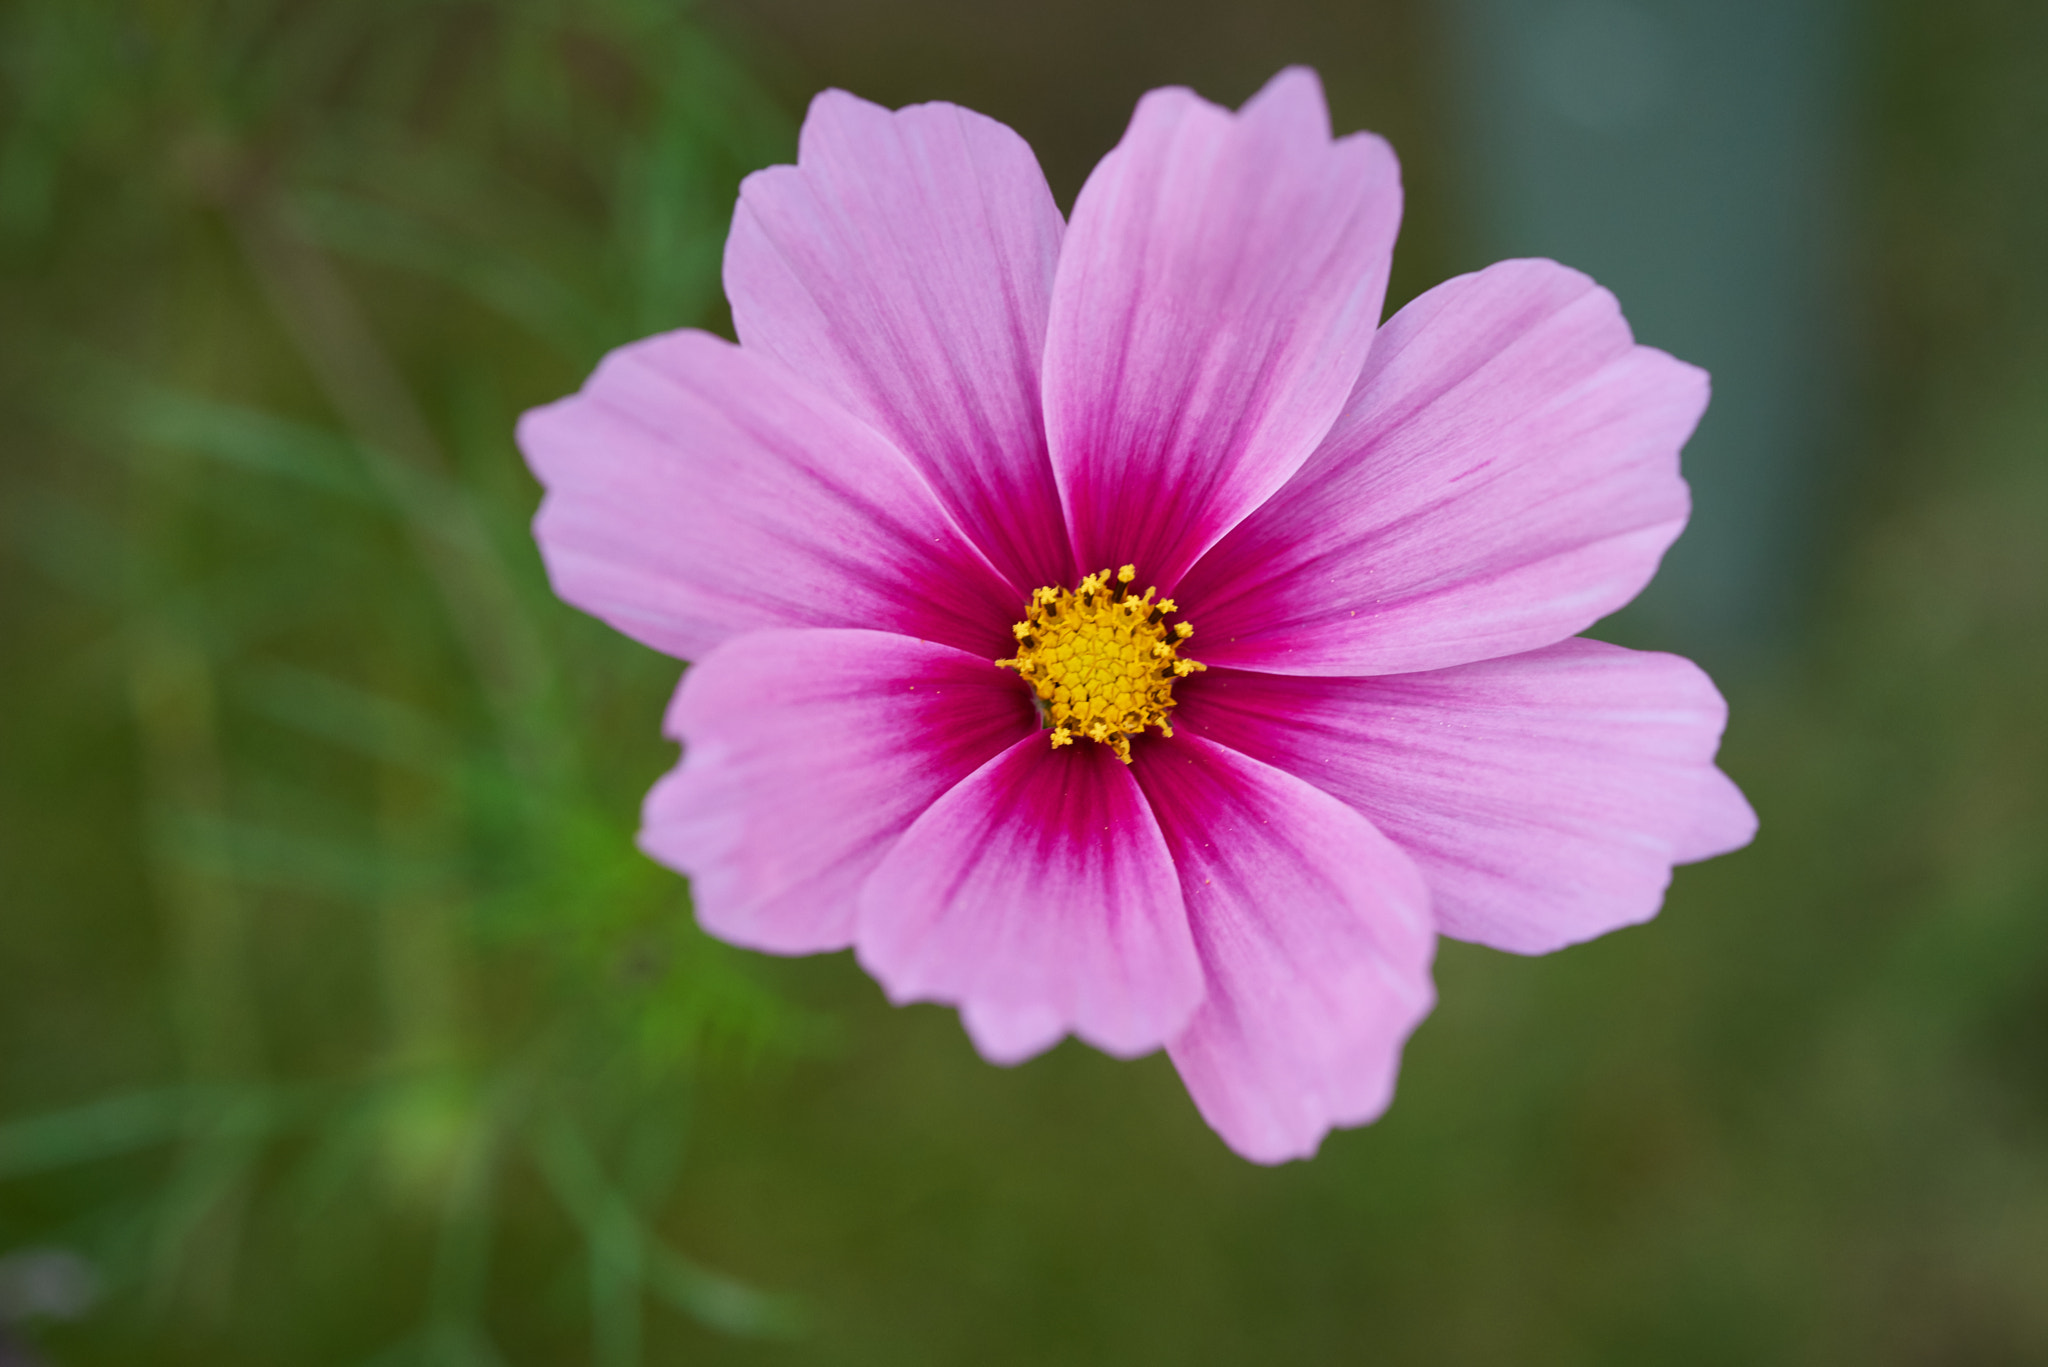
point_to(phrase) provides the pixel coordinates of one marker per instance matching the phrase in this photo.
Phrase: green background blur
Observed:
(341, 1023)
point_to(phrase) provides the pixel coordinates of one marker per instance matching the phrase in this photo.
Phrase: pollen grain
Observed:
(1101, 660)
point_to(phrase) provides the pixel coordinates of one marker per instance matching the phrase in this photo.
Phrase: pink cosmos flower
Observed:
(902, 530)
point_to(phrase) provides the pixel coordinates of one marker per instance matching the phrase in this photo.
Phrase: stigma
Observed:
(1101, 660)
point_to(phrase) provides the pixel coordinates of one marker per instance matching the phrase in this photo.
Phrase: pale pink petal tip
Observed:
(1724, 823)
(1293, 99)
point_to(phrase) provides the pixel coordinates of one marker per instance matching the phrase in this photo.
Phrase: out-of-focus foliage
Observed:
(335, 987)
(341, 1023)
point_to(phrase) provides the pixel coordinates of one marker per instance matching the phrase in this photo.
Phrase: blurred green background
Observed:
(341, 1023)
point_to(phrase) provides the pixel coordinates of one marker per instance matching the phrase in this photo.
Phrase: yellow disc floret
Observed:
(1101, 660)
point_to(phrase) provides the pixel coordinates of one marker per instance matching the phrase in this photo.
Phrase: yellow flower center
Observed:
(1101, 660)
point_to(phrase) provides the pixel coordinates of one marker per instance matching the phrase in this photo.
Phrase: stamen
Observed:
(1100, 660)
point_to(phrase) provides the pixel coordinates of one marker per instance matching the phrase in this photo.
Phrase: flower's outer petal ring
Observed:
(1505, 474)
(695, 491)
(1038, 897)
(905, 265)
(1217, 291)
(806, 755)
(1545, 796)
(1315, 936)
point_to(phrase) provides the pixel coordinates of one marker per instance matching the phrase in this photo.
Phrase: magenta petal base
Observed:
(1038, 895)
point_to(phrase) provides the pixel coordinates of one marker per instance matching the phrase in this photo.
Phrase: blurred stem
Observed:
(170, 688)
(429, 1114)
(612, 1238)
(360, 381)
(417, 952)
(462, 1255)
(172, 696)
(628, 1259)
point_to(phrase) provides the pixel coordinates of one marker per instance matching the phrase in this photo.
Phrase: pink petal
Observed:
(905, 266)
(806, 754)
(1315, 934)
(1505, 474)
(1545, 796)
(1722, 822)
(695, 491)
(1038, 896)
(1217, 291)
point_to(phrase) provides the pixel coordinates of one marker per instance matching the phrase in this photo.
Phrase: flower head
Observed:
(901, 529)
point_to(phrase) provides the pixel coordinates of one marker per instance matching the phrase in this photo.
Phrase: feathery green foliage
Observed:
(282, 274)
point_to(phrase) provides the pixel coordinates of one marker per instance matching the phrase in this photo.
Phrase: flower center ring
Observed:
(1101, 660)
